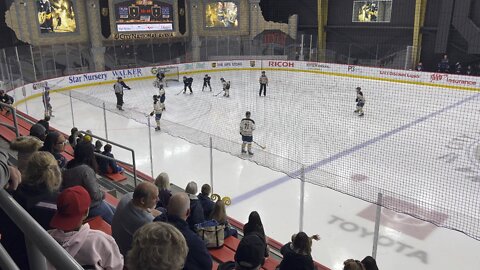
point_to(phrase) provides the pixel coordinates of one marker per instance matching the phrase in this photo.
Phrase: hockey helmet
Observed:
(119, 78)
(247, 114)
(206, 75)
(222, 79)
(263, 72)
(359, 88)
(184, 77)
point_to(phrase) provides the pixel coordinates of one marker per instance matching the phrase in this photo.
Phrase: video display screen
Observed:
(221, 14)
(143, 15)
(372, 11)
(56, 16)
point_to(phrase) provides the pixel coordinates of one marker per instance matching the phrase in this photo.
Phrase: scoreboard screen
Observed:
(143, 15)
(221, 14)
(372, 11)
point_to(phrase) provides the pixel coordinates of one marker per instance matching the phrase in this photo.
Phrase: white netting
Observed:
(308, 119)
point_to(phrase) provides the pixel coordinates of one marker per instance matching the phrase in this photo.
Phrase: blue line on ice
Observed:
(339, 155)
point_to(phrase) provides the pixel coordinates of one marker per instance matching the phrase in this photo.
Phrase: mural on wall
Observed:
(56, 16)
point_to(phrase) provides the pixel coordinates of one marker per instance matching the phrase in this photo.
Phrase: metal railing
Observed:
(40, 244)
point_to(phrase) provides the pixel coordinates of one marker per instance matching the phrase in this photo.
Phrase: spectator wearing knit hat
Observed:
(91, 248)
(249, 255)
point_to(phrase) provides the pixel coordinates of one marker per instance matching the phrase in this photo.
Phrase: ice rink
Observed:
(418, 144)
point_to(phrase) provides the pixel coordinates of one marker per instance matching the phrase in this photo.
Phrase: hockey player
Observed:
(161, 78)
(187, 83)
(226, 87)
(247, 126)
(206, 82)
(158, 108)
(360, 102)
(46, 102)
(263, 84)
(118, 87)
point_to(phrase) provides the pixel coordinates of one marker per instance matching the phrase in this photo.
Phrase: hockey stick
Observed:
(261, 146)
(179, 92)
(218, 93)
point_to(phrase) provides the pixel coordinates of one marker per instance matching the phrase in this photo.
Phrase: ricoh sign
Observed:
(281, 64)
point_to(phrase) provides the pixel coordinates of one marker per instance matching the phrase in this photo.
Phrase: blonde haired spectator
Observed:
(157, 246)
(163, 183)
(219, 214)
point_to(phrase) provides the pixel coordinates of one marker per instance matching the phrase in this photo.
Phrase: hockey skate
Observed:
(244, 152)
(157, 128)
(250, 153)
(360, 114)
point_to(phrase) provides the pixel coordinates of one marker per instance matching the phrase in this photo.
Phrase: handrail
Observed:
(116, 144)
(14, 128)
(6, 262)
(48, 247)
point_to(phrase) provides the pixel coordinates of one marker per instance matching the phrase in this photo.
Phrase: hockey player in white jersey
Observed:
(226, 87)
(360, 102)
(247, 126)
(158, 108)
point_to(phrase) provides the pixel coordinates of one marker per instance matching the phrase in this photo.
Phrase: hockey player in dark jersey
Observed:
(187, 83)
(46, 102)
(206, 82)
(360, 102)
(7, 99)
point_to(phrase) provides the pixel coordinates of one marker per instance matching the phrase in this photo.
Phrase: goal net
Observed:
(171, 72)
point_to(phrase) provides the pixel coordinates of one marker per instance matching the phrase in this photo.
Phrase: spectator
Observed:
(55, 144)
(351, 264)
(254, 225)
(88, 247)
(205, 201)
(469, 70)
(198, 257)
(37, 194)
(444, 65)
(134, 211)
(25, 147)
(98, 147)
(39, 131)
(108, 165)
(458, 68)
(163, 184)
(419, 66)
(157, 246)
(369, 263)
(297, 254)
(72, 139)
(7, 99)
(45, 124)
(220, 215)
(249, 255)
(196, 211)
(81, 171)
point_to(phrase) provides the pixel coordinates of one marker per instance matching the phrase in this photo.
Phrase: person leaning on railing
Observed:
(297, 254)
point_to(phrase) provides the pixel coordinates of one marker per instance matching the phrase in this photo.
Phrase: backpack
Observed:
(211, 233)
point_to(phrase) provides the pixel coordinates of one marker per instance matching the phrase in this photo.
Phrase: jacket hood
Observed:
(71, 241)
(26, 144)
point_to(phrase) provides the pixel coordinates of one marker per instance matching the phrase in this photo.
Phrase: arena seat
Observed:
(97, 223)
(223, 254)
(115, 177)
